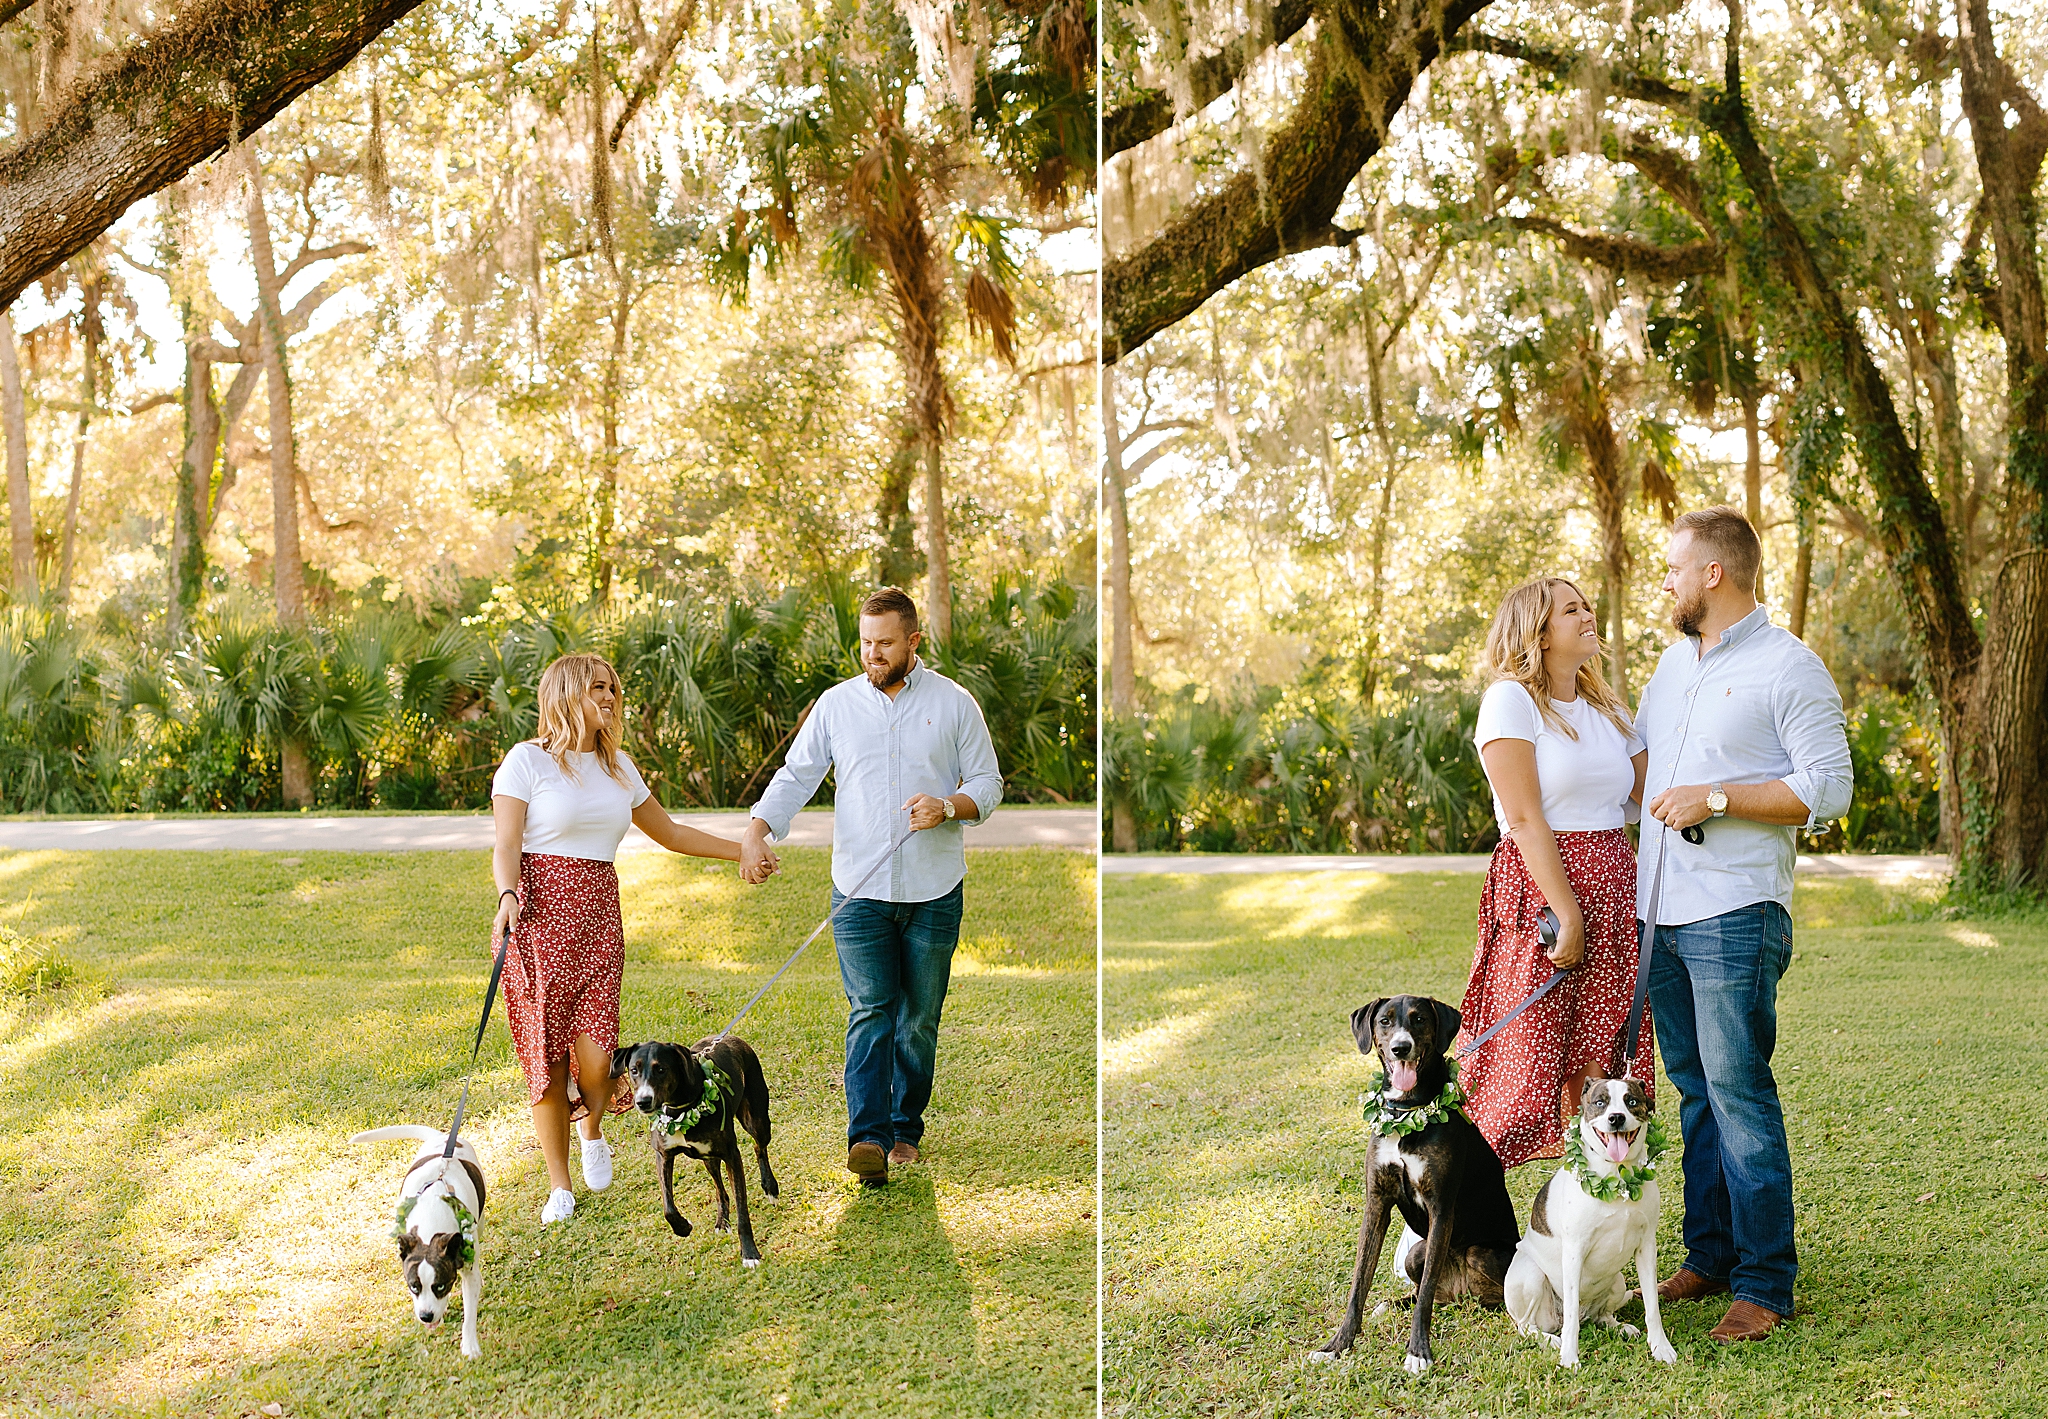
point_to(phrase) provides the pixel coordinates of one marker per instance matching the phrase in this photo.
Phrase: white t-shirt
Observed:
(1585, 782)
(584, 816)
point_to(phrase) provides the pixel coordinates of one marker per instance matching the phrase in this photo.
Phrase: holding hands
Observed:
(757, 860)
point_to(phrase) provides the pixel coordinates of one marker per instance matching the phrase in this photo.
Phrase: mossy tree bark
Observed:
(1364, 60)
(143, 117)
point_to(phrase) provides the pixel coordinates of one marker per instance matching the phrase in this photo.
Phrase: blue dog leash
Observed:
(1547, 927)
(498, 972)
(844, 902)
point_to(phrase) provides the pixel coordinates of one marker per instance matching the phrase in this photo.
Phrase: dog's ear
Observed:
(620, 1056)
(1447, 1022)
(1361, 1023)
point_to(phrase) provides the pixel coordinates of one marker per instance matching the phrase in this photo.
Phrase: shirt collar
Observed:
(910, 680)
(1743, 629)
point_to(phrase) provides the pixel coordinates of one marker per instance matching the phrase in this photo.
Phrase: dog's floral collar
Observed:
(465, 1222)
(716, 1088)
(1393, 1120)
(1627, 1179)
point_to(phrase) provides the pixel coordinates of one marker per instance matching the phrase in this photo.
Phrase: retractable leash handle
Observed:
(1547, 928)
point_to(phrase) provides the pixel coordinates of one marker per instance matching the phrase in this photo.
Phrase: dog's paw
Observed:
(471, 1350)
(679, 1225)
(1568, 1360)
(1379, 1310)
(750, 1262)
(1662, 1351)
(1415, 1364)
(1554, 1342)
(1625, 1330)
(1329, 1354)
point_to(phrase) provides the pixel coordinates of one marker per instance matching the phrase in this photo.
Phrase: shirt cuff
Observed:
(776, 831)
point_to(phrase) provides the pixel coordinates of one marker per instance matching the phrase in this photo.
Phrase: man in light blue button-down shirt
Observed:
(912, 753)
(1746, 738)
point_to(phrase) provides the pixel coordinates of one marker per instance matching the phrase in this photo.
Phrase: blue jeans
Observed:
(895, 960)
(1714, 996)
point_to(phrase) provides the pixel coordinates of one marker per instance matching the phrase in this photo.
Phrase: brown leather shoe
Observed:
(1745, 1321)
(903, 1155)
(1686, 1285)
(869, 1163)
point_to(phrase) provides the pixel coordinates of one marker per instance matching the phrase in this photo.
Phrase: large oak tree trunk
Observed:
(140, 119)
(2005, 784)
(21, 520)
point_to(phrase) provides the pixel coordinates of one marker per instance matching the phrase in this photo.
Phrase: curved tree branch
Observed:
(1359, 73)
(144, 116)
(1626, 256)
(1209, 79)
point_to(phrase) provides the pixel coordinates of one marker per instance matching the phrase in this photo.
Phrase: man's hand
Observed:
(757, 860)
(1682, 806)
(925, 811)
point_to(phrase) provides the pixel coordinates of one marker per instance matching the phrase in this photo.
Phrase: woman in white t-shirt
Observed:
(562, 802)
(1567, 770)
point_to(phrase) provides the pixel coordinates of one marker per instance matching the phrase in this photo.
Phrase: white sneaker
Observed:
(561, 1202)
(597, 1164)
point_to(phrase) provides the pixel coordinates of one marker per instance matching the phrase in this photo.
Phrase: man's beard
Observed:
(883, 677)
(1687, 614)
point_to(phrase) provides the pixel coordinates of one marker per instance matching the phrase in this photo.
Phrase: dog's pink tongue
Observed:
(1403, 1077)
(1617, 1148)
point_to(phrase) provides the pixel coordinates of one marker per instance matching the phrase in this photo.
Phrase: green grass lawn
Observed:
(185, 1229)
(1909, 1059)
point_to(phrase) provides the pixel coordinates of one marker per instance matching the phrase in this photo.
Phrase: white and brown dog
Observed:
(439, 1227)
(1570, 1267)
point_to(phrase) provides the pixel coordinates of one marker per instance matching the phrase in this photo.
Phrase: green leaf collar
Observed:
(717, 1088)
(1627, 1178)
(1389, 1120)
(465, 1221)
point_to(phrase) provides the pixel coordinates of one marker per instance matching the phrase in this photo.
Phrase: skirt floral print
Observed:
(1515, 1084)
(562, 974)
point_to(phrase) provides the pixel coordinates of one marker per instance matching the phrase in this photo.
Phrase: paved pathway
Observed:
(1011, 827)
(1880, 868)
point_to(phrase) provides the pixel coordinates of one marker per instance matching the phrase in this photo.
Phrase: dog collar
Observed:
(1627, 1179)
(465, 1220)
(716, 1088)
(1393, 1119)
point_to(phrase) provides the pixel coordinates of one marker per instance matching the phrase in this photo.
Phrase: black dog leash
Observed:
(816, 932)
(490, 999)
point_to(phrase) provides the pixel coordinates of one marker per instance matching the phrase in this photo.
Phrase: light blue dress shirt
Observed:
(930, 739)
(1756, 707)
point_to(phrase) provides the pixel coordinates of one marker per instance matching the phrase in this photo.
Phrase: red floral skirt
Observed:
(1515, 1084)
(563, 970)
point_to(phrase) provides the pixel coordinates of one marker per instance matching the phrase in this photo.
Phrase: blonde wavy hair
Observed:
(563, 688)
(1514, 651)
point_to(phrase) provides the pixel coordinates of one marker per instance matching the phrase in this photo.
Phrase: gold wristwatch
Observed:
(1717, 799)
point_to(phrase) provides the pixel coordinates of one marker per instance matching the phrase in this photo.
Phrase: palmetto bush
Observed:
(1274, 775)
(395, 713)
(1278, 774)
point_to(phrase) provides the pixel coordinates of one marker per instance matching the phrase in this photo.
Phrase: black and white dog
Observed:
(439, 1227)
(1571, 1267)
(696, 1096)
(1432, 1165)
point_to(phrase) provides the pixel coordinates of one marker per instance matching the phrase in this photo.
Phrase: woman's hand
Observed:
(1570, 950)
(508, 915)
